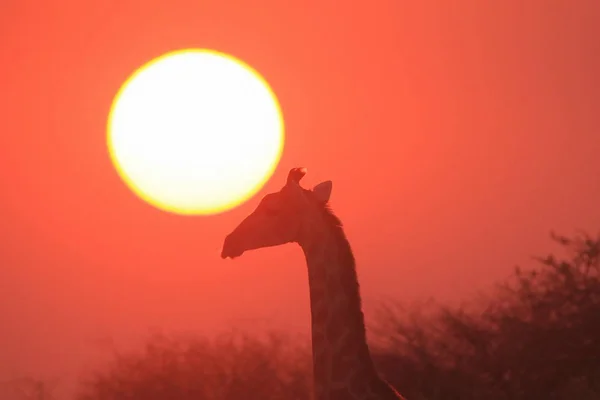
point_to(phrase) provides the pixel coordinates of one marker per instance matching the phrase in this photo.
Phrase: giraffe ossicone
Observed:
(342, 365)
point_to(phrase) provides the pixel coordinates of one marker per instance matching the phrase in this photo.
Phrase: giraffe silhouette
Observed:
(342, 365)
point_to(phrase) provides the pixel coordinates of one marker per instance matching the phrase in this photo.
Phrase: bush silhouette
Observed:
(535, 337)
(233, 366)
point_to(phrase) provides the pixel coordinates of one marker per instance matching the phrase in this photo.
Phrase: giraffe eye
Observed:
(272, 211)
(270, 206)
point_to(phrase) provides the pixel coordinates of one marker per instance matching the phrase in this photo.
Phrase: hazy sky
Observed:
(457, 135)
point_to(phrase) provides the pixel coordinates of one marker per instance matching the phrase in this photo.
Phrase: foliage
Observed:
(234, 366)
(534, 337)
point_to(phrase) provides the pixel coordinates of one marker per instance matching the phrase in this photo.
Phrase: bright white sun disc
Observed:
(195, 132)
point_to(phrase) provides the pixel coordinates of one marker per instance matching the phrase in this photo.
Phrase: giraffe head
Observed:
(279, 218)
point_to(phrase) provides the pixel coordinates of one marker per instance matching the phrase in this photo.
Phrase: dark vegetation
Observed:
(536, 337)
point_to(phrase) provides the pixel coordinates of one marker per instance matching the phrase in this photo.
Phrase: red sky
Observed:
(457, 135)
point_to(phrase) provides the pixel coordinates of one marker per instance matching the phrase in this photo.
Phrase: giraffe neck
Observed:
(341, 359)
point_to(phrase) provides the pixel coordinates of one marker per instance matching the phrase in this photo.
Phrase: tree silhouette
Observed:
(233, 366)
(535, 337)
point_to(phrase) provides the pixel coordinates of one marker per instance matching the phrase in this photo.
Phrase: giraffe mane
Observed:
(346, 258)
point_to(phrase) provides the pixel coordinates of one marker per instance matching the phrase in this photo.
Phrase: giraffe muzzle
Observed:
(231, 248)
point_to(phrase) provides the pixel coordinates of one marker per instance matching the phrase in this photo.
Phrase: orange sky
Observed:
(457, 134)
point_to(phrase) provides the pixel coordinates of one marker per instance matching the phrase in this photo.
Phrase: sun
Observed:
(195, 131)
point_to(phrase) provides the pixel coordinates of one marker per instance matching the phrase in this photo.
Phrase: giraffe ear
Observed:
(323, 191)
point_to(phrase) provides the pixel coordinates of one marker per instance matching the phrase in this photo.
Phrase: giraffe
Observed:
(342, 365)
